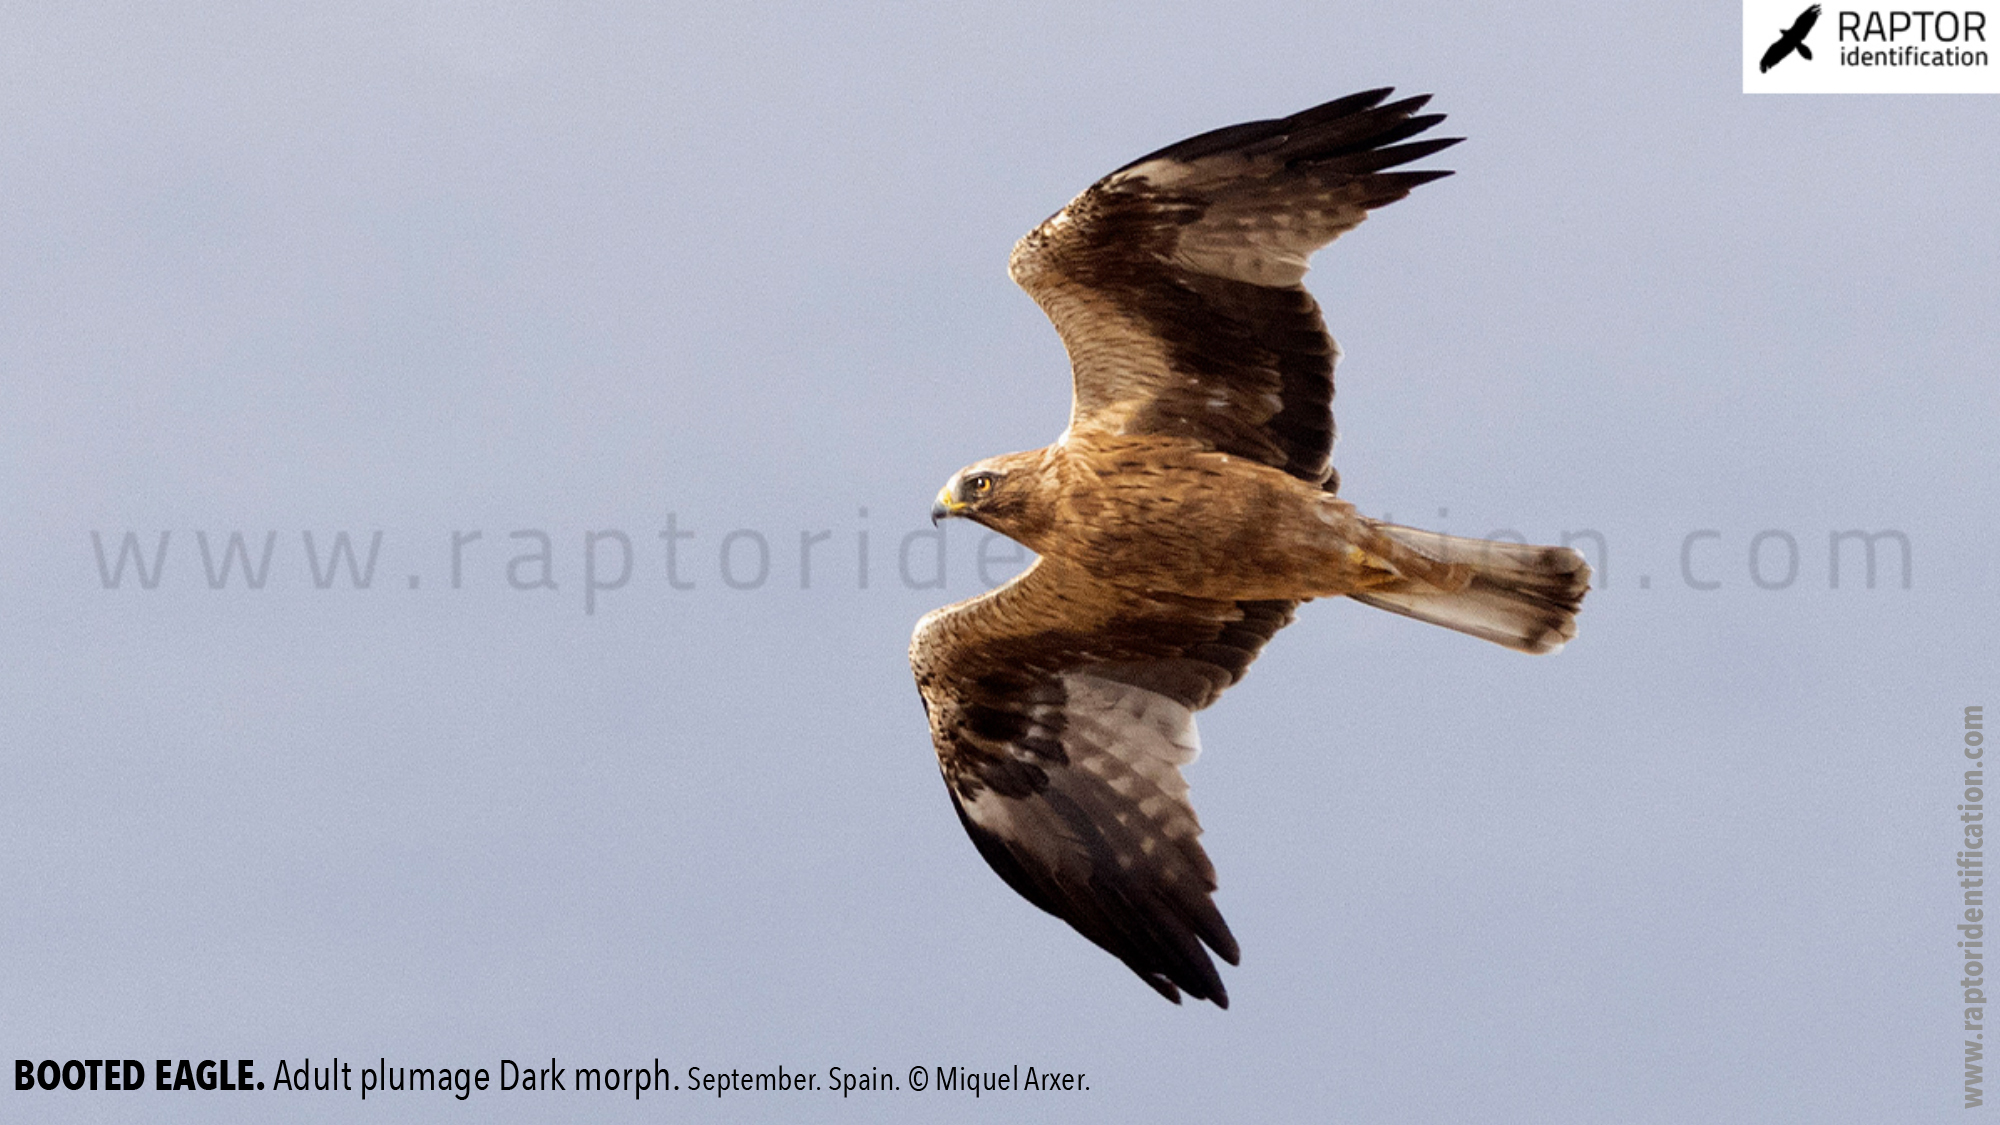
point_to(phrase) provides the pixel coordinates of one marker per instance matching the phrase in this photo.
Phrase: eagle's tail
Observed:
(1521, 596)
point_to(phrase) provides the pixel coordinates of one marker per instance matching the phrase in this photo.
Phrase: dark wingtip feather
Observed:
(1376, 159)
(1408, 105)
(1338, 142)
(1151, 956)
(1278, 132)
(1342, 106)
(1345, 128)
(1224, 943)
(1402, 183)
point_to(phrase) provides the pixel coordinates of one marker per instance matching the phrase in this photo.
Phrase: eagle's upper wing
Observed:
(1803, 24)
(1062, 710)
(1175, 281)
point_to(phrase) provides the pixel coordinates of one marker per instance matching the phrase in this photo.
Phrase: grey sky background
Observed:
(435, 269)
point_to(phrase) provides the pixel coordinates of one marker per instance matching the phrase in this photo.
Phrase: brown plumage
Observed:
(1182, 516)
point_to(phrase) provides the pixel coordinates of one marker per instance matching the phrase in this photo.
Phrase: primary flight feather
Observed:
(1185, 512)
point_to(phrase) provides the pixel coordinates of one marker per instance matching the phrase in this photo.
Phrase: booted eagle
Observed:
(1182, 516)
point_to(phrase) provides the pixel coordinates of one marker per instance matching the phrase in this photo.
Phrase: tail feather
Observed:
(1521, 596)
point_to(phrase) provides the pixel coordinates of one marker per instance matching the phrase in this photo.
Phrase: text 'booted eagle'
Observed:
(1182, 516)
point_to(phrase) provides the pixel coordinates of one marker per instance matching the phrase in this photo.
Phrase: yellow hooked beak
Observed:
(945, 507)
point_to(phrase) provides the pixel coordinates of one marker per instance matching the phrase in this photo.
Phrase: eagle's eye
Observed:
(978, 484)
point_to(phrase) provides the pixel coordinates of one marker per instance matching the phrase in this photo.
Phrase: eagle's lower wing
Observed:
(1776, 53)
(1062, 710)
(1175, 281)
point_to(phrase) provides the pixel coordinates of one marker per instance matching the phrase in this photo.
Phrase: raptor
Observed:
(1187, 510)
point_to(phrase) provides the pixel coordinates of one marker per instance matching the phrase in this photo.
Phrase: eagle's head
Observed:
(997, 493)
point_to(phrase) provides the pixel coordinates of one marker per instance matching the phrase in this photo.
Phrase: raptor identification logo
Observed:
(1793, 47)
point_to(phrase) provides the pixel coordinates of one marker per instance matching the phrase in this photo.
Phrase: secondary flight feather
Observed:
(1182, 516)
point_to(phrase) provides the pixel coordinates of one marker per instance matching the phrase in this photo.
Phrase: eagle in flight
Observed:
(1182, 516)
(1791, 39)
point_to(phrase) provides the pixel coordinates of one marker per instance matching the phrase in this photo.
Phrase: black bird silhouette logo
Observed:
(1794, 39)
